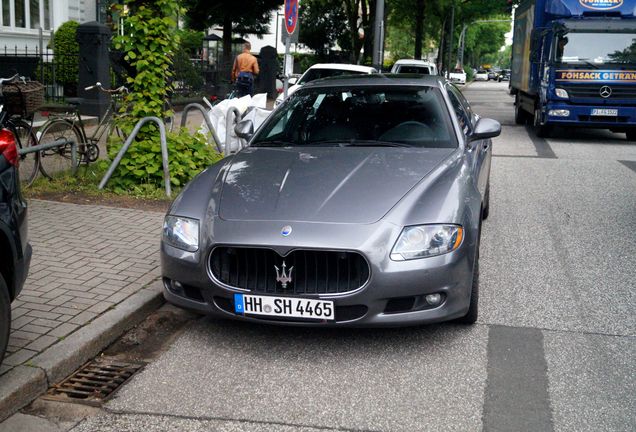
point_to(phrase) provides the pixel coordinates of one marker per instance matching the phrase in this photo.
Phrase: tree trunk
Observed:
(368, 21)
(419, 28)
(440, 50)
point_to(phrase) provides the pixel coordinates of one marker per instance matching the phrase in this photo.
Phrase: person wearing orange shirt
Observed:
(244, 70)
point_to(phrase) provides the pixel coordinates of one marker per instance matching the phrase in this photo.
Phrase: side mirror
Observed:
(244, 129)
(292, 81)
(485, 128)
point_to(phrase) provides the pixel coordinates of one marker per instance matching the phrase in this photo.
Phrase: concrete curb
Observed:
(23, 384)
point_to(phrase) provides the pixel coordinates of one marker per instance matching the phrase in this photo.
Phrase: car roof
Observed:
(344, 66)
(413, 62)
(381, 79)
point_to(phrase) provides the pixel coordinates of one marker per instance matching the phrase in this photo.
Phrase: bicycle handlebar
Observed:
(15, 77)
(98, 86)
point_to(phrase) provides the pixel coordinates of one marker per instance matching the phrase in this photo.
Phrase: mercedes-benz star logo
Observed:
(605, 91)
(283, 277)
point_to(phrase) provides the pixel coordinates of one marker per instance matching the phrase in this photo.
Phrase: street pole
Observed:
(285, 66)
(378, 39)
(450, 41)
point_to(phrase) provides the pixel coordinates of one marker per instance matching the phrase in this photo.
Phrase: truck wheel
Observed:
(541, 130)
(631, 135)
(5, 317)
(520, 115)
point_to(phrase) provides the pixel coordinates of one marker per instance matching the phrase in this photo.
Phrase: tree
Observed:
(324, 24)
(234, 17)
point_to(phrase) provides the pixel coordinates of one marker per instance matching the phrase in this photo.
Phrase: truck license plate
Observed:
(604, 112)
(245, 304)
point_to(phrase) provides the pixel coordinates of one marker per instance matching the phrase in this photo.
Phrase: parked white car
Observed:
(458, 76)
(324, 70)
(481, 75)
(414, 66)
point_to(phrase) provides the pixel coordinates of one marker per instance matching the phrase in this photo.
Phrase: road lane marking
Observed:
(516, 396)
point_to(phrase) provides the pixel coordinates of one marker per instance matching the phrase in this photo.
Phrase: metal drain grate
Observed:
(95, 382)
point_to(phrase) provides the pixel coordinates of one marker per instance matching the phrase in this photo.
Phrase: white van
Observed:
(414, 66)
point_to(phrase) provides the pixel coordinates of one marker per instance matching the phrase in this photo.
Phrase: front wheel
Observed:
(5, 317)
(631, 135)
(58, 160)
(540, 129)
(30, 162)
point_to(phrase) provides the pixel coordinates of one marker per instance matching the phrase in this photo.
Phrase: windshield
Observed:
(314, 74)
(596, 48)
(392, 116)
(410, 69)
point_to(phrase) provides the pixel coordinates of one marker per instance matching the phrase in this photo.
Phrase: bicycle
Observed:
(70, 126)
(16, 107)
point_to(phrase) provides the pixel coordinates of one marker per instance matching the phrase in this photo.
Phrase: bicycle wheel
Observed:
(30, 162)
(57, 161)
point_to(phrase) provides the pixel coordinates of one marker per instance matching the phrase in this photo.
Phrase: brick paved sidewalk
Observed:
(86, 259)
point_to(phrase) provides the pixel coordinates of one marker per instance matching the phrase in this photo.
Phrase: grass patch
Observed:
(85, 184)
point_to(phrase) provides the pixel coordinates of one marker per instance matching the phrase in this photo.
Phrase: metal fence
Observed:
(59, 74)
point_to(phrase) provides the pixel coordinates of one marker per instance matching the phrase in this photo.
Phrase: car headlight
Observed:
(182, 233)
(561, 93)
(422, 241)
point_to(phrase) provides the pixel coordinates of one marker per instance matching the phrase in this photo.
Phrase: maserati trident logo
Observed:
(283, 277)
(605, 91)
(286, 230)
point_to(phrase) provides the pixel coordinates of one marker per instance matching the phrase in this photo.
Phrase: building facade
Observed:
(21, 21)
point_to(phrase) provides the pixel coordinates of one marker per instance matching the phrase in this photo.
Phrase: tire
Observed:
(631, 135)
(57, 161)
(541, 130)
(30, 162)
(5, 317)
(473, 309)
(486, 210)
(521, 116)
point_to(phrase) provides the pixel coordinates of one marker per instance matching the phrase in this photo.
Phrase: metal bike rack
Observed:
(199, 107)
(131, 138)
(231, 120)
(57, 143)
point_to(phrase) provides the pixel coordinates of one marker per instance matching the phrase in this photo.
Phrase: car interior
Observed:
(400, 116)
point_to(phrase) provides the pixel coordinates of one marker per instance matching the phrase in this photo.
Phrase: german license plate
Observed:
(246, 304)
(604, 112)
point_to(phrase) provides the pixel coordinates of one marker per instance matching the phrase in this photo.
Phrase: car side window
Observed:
(462, 114)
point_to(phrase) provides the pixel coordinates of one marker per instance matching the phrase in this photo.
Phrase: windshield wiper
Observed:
(273, 143)
(374, 143)
(589, 63)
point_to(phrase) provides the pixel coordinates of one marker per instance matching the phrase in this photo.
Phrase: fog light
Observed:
(176, 287)
(433, 299)
(559, 113)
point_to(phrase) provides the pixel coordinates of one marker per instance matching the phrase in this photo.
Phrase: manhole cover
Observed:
(95, 382)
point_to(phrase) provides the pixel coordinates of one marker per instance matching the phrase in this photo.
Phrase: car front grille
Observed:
(309, 271)
(621, 92)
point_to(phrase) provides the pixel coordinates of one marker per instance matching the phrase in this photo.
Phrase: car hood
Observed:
(322, 184)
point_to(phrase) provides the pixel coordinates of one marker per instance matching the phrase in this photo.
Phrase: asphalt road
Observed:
(554, 348)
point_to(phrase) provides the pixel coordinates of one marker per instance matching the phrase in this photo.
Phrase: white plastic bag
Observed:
(218, 118)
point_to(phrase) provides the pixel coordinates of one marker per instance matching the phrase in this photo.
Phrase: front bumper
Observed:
(369, 306)
(580, 116)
